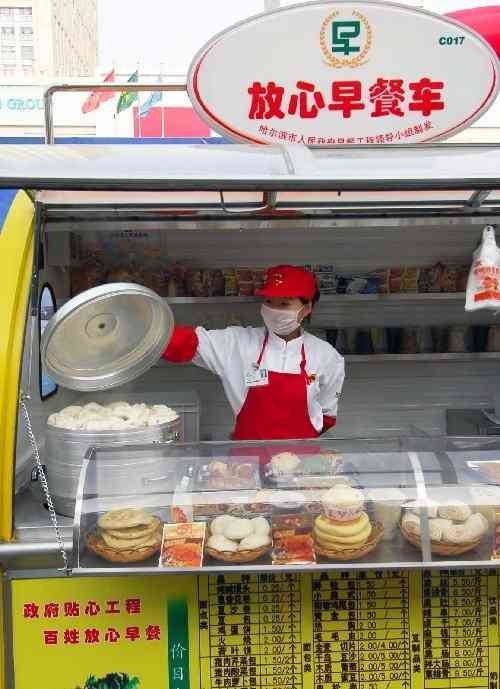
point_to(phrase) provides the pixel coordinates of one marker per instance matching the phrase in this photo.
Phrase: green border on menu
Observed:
(178, 644)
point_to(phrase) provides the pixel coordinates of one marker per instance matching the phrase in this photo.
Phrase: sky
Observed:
(166, 34)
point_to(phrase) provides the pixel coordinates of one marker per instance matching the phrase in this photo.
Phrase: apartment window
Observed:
(24, 12)
(6, 12)
(7, 32)
(27, 52)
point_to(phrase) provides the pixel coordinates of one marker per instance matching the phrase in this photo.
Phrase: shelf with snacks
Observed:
(407, 297)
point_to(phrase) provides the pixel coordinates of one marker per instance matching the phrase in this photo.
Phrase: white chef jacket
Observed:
(230, 353)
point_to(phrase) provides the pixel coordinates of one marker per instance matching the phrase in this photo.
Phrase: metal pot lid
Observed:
(106, 336)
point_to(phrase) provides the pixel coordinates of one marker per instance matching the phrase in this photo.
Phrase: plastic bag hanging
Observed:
(483, 285)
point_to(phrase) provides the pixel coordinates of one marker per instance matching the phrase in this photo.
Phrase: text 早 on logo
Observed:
(345, 40)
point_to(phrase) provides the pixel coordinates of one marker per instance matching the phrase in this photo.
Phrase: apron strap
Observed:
(303, 362)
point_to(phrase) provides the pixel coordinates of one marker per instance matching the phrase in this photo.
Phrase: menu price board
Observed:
(375, 629)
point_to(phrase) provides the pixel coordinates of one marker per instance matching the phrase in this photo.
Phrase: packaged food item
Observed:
(382, 276)
(380, 342)
(259, 278)
(292, 540)
(440, 339)
(425, 344)
(395, 280)
(228, 475)
(394, 336)
(230, 282)
(460, 339)
(483, 285)
(493, 341)
(197, 283)
(216, 285)
(462, 277)
(181, 509)
(182, 545)
(409, 341)
(430, 278)
(409, 279)
(364, 343)
(177, 280)
(449, 278)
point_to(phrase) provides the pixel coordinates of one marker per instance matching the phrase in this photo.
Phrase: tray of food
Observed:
(454, 528)
(287, 469)
(228, 474)
(125, 535)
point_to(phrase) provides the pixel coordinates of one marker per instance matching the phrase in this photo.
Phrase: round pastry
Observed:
(343, 503)
(411, 523)
(456, 510)
(476, 526)
(133, 532)
(125, 518)
(284, 464)
(131, 543)
(456, 535)
(219, 523)
(435, 530)
(221, 543)
(73, 410)
(254, 541)
(237, 529)
(260, 526)
(355, 540)
(332, 529)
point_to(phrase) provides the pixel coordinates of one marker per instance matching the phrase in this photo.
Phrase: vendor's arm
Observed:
(210, 349)
(331, 383)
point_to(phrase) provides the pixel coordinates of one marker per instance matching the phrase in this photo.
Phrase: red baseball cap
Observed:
(289, 281)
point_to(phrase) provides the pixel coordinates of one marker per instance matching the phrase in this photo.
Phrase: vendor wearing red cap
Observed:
(281, 382)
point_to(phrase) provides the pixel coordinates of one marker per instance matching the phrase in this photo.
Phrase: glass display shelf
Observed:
(288, 505)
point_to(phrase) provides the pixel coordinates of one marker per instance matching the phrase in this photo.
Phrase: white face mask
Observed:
(279, 321)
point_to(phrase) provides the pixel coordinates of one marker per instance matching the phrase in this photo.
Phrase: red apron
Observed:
(278, 410)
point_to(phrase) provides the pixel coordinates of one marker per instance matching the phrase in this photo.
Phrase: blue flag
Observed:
(154, 98)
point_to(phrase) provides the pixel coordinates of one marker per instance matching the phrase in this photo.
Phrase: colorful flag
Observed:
(97, 97)
(128, 97)
(154, 98)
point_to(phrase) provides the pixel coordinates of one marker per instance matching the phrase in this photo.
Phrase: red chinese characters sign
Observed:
(343, 73)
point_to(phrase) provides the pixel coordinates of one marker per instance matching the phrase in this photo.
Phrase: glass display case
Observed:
(322, 504)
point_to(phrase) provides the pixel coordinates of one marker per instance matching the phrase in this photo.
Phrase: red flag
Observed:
(484, 20)
(97, 97)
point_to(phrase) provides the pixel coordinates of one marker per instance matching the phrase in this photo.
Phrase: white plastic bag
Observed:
(483, 285)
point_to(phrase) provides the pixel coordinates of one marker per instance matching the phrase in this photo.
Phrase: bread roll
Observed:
(411, 523)
(455, 510)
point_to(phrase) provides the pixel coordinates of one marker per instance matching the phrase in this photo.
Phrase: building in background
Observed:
(46, 39)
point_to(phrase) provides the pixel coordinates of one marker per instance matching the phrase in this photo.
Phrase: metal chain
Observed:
(43, 480)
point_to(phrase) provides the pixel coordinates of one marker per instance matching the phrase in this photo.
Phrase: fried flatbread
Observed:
(131, 544)
(133, 532)
(125, 518)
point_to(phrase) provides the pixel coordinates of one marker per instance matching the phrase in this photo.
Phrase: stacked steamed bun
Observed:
(117, 416)
(231, 534)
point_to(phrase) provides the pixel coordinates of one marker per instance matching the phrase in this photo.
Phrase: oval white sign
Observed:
(331, 73)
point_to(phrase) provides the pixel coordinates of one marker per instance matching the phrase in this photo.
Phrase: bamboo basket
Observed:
(439, 548)
(238, 556)
(97, 545)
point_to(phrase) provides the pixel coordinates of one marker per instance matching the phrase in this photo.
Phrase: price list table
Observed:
(460, 629)
(250, 631)
(361, 630)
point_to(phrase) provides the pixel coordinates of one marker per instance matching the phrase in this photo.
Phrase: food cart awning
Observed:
(254, 178)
